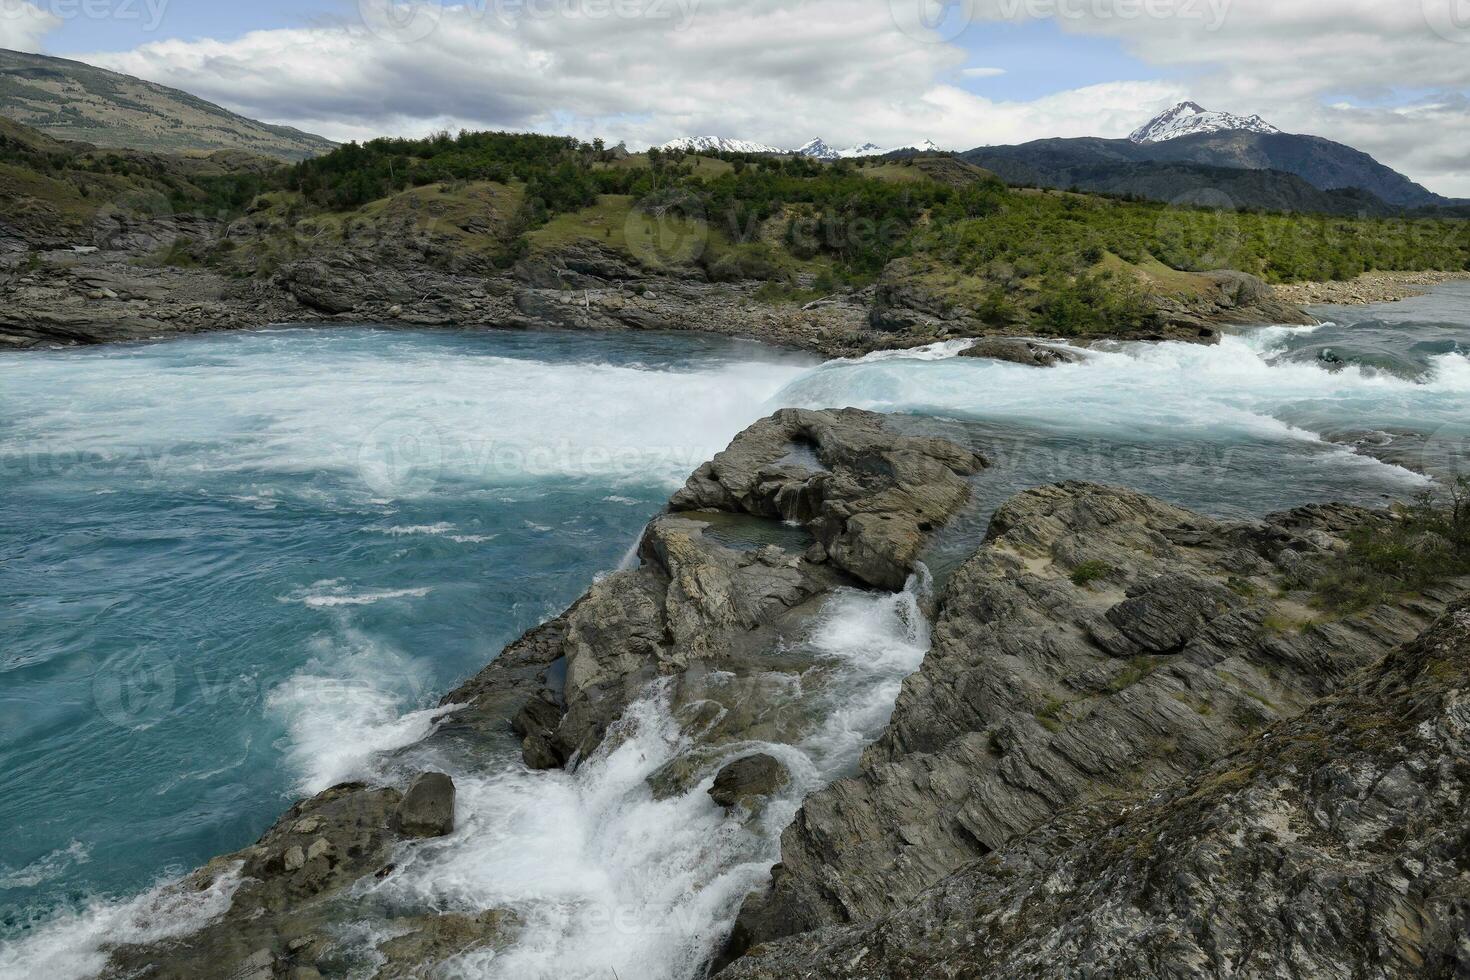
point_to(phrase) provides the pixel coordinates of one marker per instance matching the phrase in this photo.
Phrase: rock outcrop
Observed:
(745, 782)
(1331, 844)
(724, 583)
(427, 809)
(279, 916)
(801, 503)
(1101, 642)
(1018, 350)
(1222, 298)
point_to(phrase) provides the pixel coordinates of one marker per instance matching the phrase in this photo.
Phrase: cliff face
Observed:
(1329, 845)
(1100, 643)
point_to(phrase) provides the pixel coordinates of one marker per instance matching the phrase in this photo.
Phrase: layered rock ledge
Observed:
(1101, 642)
(1331, 844)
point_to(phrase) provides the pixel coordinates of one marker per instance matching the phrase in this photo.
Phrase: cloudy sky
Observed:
(1391, 77)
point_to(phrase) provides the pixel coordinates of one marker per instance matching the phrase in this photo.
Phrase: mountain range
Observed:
(1187, 151)
(1186, 154)
(70, 100)
(817, 149)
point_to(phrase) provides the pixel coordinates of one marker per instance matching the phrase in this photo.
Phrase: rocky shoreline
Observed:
(71, 297)
(1371, 287)
(1130, 732)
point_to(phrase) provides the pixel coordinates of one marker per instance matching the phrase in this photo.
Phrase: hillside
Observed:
(74, 101)
(1161, 169)
(840, 258)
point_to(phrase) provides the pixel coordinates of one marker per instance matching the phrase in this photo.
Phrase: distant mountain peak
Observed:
(1189, 118)
(718, 144)
(819, 149)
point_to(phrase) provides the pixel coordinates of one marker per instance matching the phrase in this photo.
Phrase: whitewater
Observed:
(247, 567)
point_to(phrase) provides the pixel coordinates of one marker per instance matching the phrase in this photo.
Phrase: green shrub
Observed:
(1090, 571)
(1425, 544)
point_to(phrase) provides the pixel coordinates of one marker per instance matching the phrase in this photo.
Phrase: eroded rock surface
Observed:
(1332, 844)
(1018, 350)
(869, 497)
(1100, 642)
(745, 782)
(705, 618)
(863, 500)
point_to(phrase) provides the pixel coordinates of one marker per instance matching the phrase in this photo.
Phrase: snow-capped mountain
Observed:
(820, 150)
(1189, 118)
(718, 144)
(817, 148)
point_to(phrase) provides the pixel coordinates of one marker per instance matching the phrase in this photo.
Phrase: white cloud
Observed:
(1287, 59)
(982, 72)
(783, 71)
(23, 25)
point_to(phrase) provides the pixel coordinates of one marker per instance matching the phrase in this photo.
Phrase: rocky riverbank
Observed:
(1330, 844)
(1371, 287)
(799, 506)
(1128, 710)
(72, 297)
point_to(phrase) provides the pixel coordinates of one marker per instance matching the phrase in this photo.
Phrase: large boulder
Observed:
(745, 782)
(870, 496)
(427, 809)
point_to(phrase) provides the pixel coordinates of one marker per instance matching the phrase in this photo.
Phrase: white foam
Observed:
(606, 877)
(941, 351)
(352, 702)
(392, 420)
(1164, 392)
(429, 530)
(74, 946)
(332, 593)
(47, 867)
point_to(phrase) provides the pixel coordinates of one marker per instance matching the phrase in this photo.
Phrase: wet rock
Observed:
(427, 809)
(286, 886)
(537, 724)
(703, 604)
(1018, 351)
(432, 939)
(745, 782)
(870, 505)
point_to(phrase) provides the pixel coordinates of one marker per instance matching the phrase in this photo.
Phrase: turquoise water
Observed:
(235, 568)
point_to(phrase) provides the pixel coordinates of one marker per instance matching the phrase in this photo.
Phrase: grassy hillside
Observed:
(74, 101)
(930, 232)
